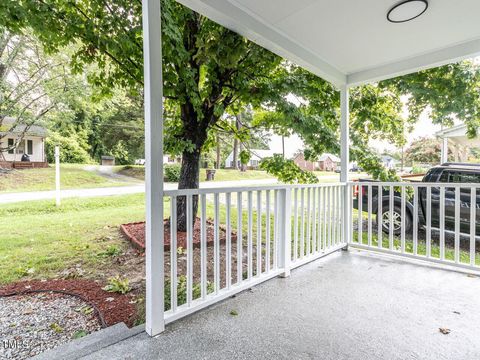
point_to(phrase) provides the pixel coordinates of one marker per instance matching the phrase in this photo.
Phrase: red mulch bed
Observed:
(120, 309)
(135, 232)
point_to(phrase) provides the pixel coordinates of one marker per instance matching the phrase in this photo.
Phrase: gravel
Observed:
(31, 324)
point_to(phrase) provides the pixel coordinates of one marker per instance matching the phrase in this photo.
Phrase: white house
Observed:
(21, 140)
(459, 141)
(256, 155)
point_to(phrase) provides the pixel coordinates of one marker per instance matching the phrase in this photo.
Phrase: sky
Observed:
(423, 128)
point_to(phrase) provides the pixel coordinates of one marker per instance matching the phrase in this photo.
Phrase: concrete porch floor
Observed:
(349, 305)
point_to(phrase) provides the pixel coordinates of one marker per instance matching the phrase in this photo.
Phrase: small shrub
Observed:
(117, 285)
(172, 172)
(182, 291)
(111, 251)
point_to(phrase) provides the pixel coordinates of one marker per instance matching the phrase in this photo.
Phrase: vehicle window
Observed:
(459, 177)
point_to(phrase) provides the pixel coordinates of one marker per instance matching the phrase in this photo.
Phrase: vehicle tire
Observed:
(397, 220)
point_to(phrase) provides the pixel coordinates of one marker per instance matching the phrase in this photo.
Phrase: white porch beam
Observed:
(407, 66)
(152, 50)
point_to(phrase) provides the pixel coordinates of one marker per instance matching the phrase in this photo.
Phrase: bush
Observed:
(172, 172)
(71, 150)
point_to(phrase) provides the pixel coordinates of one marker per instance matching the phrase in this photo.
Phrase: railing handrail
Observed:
(415, 184)
(221, 190)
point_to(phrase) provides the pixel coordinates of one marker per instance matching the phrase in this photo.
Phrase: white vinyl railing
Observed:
(436, 222)
(244, 236)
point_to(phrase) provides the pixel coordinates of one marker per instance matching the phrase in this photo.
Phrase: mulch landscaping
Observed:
(113, 307)
(135, 232)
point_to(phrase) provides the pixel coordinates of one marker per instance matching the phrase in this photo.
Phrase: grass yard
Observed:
(38, 240)
(138, 172)
(72, 176)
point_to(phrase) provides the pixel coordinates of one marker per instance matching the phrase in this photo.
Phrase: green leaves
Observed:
(287, 171)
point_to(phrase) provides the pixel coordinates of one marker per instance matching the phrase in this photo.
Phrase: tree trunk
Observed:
(217, 165)
(235, 154)
(189, 179)
(239, 127)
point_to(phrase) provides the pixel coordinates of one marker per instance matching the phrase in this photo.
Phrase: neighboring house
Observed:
(256, 156)
(167, 159)
(304, 164)
(328, 162)
(30, 141)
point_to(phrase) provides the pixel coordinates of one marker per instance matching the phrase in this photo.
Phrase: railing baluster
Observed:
(339, 215)
(249, 238)
(404, 214)
(334, 216)
(203, 245)
(369, 197)
(302, 220)
(324, 211)
(314, 221)
(442, 223)
(216, 242)
(239, 239)
(309, 220)
(457, 224)
(173, 253)
(228, 260)
(276, 229)
(392, 224)
(259, 233)
(267, 233)
(360, 214)
(319, 219)
(295, 224)
(330, 217)
(416, 204)
(473, 214)
(380, 216)
(429, 222)
(189, 249)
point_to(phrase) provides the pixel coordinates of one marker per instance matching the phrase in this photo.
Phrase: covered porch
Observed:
(349, 305)
(387, 307)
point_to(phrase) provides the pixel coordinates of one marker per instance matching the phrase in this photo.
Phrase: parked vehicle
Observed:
(454, 173)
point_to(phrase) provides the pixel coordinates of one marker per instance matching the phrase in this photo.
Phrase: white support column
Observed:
(444, 156)
(345, 159)
(152, 50)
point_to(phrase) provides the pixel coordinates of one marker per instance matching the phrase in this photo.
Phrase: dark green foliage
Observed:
(287, 171)
(172, 172)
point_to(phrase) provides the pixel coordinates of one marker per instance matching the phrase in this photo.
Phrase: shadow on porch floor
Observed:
(349, 305)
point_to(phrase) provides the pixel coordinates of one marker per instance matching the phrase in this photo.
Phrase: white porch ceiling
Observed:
(351, 41)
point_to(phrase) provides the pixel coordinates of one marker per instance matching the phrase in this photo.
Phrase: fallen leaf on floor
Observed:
(472, 276)
(234, 313)
(444, 331)
(457, 312)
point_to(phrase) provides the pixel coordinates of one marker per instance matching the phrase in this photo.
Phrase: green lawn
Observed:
(38, 240)
(72, 176)
(138, 172)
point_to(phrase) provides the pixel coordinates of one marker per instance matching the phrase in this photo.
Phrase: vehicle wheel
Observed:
(397, 221)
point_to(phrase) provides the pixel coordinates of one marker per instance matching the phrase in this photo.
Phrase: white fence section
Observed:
(436, 222)
(244, 236)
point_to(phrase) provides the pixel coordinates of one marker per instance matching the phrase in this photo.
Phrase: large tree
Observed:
(209, 69)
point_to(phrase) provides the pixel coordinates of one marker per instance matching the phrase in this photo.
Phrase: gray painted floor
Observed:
(350, 305)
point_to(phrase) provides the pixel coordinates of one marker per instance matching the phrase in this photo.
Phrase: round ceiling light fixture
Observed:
(407, 10)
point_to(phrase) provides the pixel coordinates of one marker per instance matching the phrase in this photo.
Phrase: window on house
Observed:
(254, 162)
(10, 146)
(30, 147)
